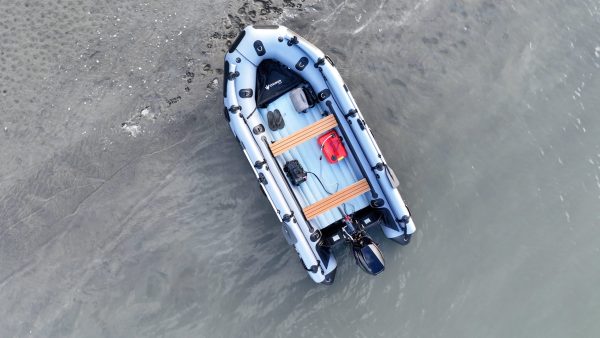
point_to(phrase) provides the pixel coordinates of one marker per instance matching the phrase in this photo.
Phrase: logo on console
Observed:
(267, 87)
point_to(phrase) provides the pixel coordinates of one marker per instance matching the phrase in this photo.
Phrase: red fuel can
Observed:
(332, 147)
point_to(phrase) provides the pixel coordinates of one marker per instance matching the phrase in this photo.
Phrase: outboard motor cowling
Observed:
(368, 256)
(366, 252)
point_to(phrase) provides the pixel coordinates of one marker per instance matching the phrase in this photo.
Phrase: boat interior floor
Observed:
(323, 178)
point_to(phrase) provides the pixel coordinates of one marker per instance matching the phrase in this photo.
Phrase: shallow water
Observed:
(127, 209)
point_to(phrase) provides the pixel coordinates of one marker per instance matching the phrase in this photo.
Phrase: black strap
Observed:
(233, 75)
(313, 268)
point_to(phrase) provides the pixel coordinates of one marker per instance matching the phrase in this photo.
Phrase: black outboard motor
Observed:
(366, 252)
(368, 256)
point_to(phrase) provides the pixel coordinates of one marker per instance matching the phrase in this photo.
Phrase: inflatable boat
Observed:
(311, 150)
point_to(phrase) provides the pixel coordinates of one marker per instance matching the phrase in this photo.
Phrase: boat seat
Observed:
(284, 144)
(346, 194)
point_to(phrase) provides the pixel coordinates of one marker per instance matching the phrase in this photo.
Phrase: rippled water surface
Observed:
(127, 209)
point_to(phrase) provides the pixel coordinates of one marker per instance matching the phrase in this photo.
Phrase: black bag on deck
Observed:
(273, 80)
